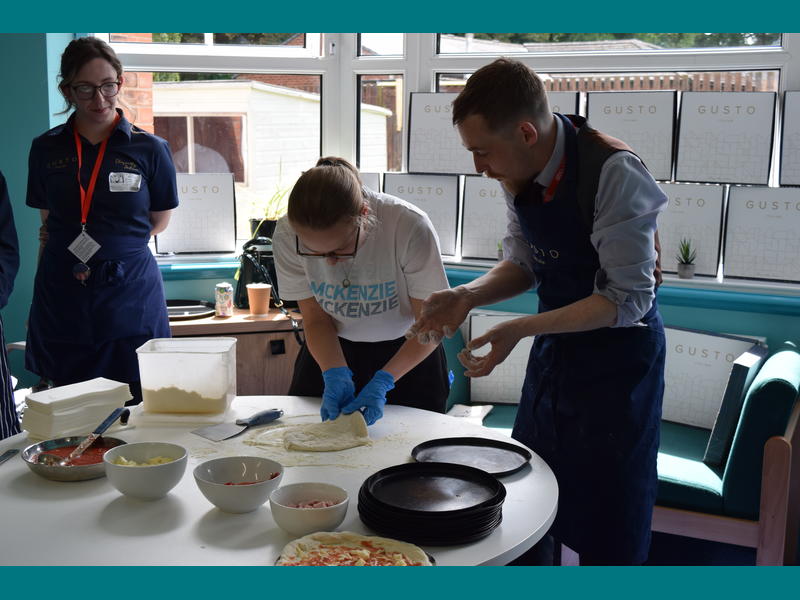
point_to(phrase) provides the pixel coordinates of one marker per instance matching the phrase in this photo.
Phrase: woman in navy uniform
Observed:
(103, 187)
(9, 264)
(582, 214)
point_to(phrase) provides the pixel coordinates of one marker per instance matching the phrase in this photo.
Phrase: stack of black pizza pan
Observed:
(432, 503)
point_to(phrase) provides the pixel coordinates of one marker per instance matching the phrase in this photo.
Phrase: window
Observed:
(380, 44)
(519, 43)
(380, 125)
(687, 81)
(360, 84)
(241, 39)
(263, 128)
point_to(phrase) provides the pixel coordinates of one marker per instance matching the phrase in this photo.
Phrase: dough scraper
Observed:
(223, 431)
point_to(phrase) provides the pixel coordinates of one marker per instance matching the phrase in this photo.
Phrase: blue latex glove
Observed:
(372, 397)
(339, 391)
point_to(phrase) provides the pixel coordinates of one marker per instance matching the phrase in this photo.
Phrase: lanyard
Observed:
(86, 195)
(551, 189)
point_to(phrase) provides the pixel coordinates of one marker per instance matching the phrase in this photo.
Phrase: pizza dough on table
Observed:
(346, 431)
(345, 548)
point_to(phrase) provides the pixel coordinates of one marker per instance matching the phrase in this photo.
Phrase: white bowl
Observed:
(218, 479)
(147, 482)
(302, 521)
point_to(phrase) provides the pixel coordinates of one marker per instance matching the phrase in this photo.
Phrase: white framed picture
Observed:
(694, 212)
(762, 240)
(205, 219)
(434, 145)
(698, 365)
(725, 137)
(485, 217)
(371, 180)
(504, 384)
(437, 195)
(643, 120)
(565, 103)
(790, 144)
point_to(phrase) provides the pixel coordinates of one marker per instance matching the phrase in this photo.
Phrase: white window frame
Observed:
(335, 57)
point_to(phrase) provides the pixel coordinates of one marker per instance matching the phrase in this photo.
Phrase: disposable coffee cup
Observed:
(258, 295)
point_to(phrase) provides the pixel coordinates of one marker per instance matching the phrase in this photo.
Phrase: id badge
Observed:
(84, 247)
(124, 182)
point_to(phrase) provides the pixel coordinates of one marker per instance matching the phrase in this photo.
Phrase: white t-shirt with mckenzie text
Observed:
(397, 259)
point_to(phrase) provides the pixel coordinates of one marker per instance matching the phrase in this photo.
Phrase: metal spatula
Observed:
(223, 431)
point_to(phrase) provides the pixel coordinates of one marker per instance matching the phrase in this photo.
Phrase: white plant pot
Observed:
(685, 271)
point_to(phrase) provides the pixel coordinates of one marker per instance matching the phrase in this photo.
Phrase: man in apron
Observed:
(582, 214)
(9, 264)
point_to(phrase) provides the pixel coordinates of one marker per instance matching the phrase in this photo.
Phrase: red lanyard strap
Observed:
(86, 195)
(551, 189)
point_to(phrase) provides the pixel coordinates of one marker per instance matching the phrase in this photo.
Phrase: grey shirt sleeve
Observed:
(515, 247)
(627, 205)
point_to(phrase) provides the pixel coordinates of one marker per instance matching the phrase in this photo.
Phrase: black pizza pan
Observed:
(493, 456)
(447, 489)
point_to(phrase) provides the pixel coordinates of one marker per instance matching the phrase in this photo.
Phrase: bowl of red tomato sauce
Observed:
(87, 466)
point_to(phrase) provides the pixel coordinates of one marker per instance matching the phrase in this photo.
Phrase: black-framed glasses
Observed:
(86, 91)
(328, 254)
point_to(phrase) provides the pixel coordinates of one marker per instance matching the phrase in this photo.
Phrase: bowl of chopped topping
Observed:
(145, 470)
(303, 508)
(238, 484)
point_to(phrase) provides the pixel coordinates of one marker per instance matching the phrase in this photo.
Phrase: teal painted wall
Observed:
(31, 62)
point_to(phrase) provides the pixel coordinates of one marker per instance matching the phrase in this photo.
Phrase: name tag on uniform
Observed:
(84, 247)
(124, 182)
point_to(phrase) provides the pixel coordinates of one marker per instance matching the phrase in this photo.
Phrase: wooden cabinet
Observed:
(266, 348)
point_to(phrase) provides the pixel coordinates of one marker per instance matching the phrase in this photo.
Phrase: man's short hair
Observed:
(503, 92)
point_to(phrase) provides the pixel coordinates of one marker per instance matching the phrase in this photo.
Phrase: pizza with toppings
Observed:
(344, 548)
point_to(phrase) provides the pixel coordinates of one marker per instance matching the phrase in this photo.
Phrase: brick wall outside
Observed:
(131, 37)
(137, 92)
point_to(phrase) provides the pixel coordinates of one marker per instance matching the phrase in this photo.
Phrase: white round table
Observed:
(90, 523)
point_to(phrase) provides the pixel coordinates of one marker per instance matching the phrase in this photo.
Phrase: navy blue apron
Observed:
(591, 401)
(79, 332)
(9, 424)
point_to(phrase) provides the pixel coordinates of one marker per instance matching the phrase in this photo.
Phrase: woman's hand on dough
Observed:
(372, 397)
(339, 391)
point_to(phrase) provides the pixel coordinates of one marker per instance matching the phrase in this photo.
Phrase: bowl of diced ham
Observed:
(303, 508)
(238, 484)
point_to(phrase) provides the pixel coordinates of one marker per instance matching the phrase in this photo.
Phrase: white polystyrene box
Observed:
(188, 375)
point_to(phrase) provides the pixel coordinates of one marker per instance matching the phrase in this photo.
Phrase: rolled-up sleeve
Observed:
(515, 247)
(626, 209)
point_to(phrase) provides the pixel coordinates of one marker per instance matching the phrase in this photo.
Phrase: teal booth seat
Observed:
(728, 503)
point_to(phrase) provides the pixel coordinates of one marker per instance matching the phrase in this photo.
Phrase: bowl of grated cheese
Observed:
(146, 470)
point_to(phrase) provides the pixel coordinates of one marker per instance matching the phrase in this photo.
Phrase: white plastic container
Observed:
(188, 375)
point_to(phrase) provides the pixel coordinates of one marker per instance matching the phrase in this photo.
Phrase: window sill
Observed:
(699, 292)
(197, 266)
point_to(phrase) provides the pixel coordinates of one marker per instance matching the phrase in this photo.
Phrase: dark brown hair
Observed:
(326, 194)
(79, 52)
(503, 92)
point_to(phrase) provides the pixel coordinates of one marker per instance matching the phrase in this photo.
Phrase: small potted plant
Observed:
(273, 209)
(686, 256)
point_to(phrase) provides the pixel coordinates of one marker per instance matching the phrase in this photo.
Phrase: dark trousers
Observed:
(426, 386)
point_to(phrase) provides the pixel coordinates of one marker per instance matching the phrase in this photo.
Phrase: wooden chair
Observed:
(773, 530)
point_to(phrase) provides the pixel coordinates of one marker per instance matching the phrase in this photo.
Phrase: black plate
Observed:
(446, 489)
(492, 456)
(182, 310)
(440, 528)
(427, 538)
